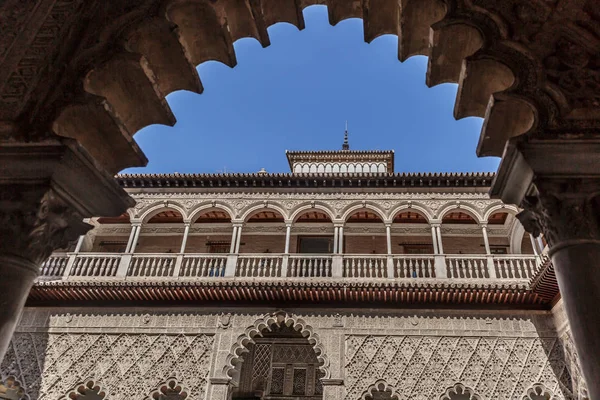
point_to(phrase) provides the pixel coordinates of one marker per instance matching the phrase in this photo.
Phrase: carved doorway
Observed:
(280, 365)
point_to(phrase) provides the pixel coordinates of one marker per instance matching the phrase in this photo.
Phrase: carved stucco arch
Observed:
(170, 386)
(349, 210)
(11, 388)
(411, 206)
(507, 208)
(264, 324)
(457, 389)
(85, 389)
(537, 392)
(197, 210)
(151, 210)
(462, 207)
(380, 386)
(264, 205)
(322, 206)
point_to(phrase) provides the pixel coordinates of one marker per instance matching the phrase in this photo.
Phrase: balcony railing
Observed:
(84, 266)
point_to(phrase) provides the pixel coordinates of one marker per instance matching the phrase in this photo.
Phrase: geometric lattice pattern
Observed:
(126, 366)
(260, 366)
(424, 367)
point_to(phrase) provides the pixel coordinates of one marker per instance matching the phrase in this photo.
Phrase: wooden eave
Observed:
(312, 180)
(400, 294)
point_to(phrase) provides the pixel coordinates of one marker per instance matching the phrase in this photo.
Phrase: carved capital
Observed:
(566, 210)
(34, 221)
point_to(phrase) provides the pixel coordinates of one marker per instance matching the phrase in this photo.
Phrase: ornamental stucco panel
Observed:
(128, 366)
(418, 353)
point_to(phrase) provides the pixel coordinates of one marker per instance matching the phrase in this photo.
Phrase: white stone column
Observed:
(534, 245)
(138, 229)
(388, 233)
(239, 239)
(131, 236)
(439, 237)
(486, 240)
(79, 244)
(186, 232)
(288, 234)
(434, 239)
(341, 240)
(335, 239)
(233, 240)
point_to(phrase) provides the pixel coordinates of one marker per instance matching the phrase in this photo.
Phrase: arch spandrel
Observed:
(500, 207)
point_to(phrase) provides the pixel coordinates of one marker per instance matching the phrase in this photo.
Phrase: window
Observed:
(418, 249)
(498, 249)
(315, 244)
(218, 247)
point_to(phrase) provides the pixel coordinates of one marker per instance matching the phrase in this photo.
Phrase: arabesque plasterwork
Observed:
(130, 353)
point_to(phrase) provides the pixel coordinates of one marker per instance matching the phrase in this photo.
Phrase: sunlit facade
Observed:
(338, 280)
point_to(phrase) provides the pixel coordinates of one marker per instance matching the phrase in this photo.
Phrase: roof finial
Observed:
(346, 146)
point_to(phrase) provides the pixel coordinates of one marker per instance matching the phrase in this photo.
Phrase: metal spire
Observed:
(346, 146)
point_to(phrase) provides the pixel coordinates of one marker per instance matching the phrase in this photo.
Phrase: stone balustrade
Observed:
(82, 266)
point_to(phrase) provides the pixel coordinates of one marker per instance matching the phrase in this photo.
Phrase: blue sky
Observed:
(297, 94)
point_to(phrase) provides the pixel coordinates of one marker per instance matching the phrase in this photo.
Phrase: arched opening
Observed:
(461, 233)
(411, 233)
(210, 232)
(110, 236)
(264, 232)
(280, 362)
(312, 233)
(364, 233)
(161, 232)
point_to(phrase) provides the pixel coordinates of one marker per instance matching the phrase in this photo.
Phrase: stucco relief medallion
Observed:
(225, 320)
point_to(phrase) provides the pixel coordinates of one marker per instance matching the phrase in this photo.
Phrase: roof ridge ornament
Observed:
(346, 145)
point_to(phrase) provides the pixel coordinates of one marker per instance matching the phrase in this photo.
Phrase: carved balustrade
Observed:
(80, 266)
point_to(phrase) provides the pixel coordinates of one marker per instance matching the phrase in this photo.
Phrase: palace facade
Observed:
(339, 280)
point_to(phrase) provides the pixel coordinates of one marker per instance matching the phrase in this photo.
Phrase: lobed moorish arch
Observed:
(380, 386)
(234, 359)
(144, 55)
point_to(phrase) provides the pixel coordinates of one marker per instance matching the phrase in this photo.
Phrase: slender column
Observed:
(186, 232)
(388, 233)
(130, 240)
(239, 239)
(335, 239)
(439, 236)
(288, 234)
(341, 240)
(138, 229)
(568, 212)
(434, 239)
(534, 245)
(233, 239)
(79, 244)
(540, 243)
(486, 240)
